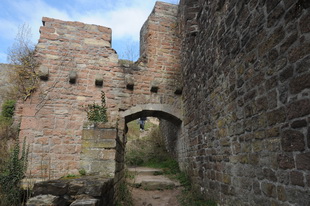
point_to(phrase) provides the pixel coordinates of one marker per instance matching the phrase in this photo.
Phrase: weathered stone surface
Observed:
(269, 189)
(281, 193)
(297, 178)
(270, 174)
(286, 161)
(299, 124)
(43, 200)
(302, 161)
(88, 190)
(52, 187)
(299, 83)
(85, 202)
(99, 134)
(298, 108)
(276, 116)
(292, 140)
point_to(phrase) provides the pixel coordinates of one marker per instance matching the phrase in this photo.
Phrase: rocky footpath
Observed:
(151, 188)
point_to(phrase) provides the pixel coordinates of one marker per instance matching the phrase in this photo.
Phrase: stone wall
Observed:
(170, 133)
(160, 46)
(247, 100)
(240, 100)
(74, 57)
(99, 150)
(77, 63)
(87, 190)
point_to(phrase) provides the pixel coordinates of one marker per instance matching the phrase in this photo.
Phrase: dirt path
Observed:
(153, 190)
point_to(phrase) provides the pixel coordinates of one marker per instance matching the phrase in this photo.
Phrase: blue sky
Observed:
(124, 17)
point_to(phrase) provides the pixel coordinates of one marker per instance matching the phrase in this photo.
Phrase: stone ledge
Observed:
(96, 190)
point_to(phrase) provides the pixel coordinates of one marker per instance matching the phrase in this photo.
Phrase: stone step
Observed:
(144, 178)
(149, 182)
(143, 171)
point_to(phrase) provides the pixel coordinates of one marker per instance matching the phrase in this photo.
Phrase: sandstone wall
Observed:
(160, 45)
(246, 100)
(53, 118)
(75, 57)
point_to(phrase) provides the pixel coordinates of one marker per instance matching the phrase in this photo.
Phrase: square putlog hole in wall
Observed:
(72, 77)
(129, 82)
(130, 86)
(155, 85)
(99, 80)
(43, 73)
(154, 89)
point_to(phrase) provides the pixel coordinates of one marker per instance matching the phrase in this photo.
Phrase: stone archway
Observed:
(171, 119)
(163, 111)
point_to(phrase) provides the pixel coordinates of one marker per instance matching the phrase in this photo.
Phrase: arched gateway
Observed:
(77, 63)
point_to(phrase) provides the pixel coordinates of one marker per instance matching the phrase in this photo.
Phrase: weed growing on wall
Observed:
(96, 112)
(12, 176)
(8, 108)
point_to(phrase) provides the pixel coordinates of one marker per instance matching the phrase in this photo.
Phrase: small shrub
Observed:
(8, 108)
(82, 172)
(96, 112)
(125, 197)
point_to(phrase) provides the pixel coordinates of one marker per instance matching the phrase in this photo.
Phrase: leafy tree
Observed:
(23, 62)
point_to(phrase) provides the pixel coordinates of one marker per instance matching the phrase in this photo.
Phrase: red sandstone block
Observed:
(41, 141)
(36, 148)
(104, 29)
(29, 123)
(28, 110)
(57, 149)
(49, 36)
(73, 165)
(69, 140)
(69, 149)
(44, 29)
(55, 141)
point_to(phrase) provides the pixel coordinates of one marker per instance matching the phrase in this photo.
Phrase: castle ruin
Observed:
(230, 81)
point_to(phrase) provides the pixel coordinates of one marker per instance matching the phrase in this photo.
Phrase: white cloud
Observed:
(125, 23)
(31, 12)
(124, 17)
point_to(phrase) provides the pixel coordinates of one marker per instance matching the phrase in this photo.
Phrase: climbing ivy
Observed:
(96, 112)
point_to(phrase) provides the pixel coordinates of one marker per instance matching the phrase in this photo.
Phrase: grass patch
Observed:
(125, 197)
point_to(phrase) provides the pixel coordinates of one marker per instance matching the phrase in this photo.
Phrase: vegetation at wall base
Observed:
(12, 176)
(125, 197)
(7, 132)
